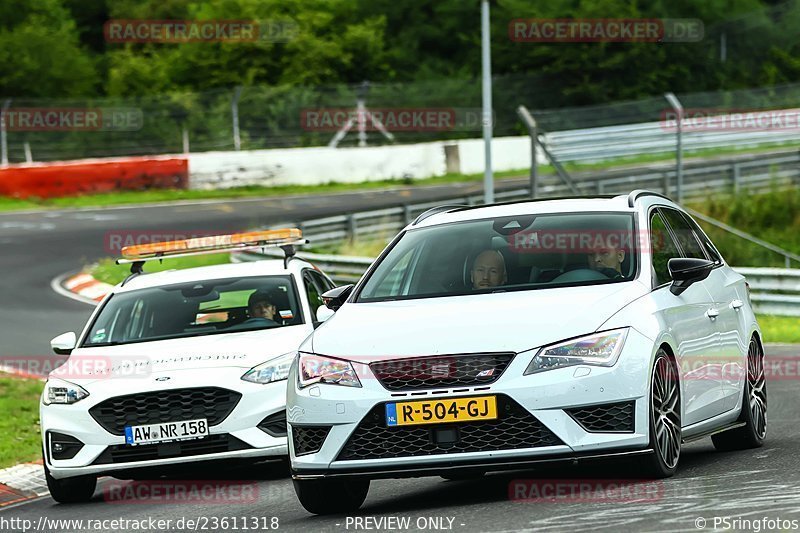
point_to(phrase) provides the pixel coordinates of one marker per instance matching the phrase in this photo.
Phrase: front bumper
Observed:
(240, 426)
(546, 396)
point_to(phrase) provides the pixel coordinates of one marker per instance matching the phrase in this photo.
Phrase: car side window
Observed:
(314, 297)
(323, 283)
(684, 234)
(662, 249)
(711, 251)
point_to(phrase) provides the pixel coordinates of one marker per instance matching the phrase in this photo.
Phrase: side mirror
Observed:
(323, 314)
(64, 343)
(335, 298)
(685, 271)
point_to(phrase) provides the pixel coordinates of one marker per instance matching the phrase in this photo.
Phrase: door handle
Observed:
(737, 304)
(712, 313)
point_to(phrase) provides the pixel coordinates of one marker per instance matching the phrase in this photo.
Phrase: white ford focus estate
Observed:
(490, 338)
(180, 367)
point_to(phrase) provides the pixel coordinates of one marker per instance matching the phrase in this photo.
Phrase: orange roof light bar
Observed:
(213, 242)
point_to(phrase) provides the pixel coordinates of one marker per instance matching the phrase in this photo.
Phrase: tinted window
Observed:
(662, 248)
(684, 234)
(314, 297)
(709, 247)
(196, 308)
(521, 252)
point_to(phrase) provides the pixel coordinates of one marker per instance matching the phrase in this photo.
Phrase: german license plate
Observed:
(438, 411)
(166, 432)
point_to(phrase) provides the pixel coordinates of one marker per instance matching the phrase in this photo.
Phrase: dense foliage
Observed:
(57, 48)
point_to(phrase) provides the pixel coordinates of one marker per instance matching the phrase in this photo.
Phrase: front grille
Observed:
(274, 424)
(175, 405)
(308, 439)
(514, 429)
(607, 418)
(440, 371)
(123, 453)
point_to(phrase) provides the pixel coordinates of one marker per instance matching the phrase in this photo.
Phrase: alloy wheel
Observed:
(666, 411)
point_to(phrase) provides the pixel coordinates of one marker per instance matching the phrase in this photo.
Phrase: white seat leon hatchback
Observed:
(495, 337)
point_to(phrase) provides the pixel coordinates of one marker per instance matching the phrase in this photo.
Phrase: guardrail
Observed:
(626, 140)
(774, 291)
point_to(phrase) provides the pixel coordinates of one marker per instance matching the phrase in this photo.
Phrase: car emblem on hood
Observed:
(163, 378)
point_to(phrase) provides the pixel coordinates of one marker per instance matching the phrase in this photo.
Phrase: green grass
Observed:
(20, 440)
(172, 195)
(105, 270)
(780, 328)
(773, 216)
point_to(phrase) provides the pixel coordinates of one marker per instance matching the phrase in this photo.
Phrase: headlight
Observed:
(599, 349)
(273, 370)
(63, 392)
(320, 369)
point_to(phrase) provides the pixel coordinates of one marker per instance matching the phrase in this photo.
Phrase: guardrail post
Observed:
(352, 227)
(666, 184)
(530, 123)
(737, 178)
(406, 214)
(601, 187)
(787, 261)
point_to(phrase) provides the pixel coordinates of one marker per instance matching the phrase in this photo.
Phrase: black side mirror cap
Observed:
(685, 271)
(335, 298)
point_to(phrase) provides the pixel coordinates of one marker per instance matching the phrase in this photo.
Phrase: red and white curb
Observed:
(22, 482)
(82, 287)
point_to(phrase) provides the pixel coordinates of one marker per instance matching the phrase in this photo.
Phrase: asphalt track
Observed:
(756, 485)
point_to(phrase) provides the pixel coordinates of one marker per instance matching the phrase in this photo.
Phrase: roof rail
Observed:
(635, 195)
(435, 210)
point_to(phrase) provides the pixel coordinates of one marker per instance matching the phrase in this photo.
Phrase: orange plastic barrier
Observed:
(87, 177)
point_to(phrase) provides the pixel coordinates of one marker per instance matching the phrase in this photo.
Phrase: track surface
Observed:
(37, 247)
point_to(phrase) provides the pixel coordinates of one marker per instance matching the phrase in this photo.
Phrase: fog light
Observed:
(63, 446)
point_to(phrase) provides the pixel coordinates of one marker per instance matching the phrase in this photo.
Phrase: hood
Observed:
(498, 322)
(240, 350)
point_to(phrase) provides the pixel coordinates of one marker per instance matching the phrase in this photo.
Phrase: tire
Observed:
(462, 475)
(331, 496)
(70, 490)
(664, 418)
(754, 407)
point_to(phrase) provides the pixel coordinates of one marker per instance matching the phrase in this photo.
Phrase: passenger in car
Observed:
(607, 260)
(488, 270)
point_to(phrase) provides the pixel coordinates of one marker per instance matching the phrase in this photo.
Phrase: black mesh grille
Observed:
(123, 453)
(308, 439)
(514, 429)
(211, 403)
(610, 417)
(274, 424)
(440, 371)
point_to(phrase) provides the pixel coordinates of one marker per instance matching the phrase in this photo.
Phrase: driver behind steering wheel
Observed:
(607, 260)
(261, 309)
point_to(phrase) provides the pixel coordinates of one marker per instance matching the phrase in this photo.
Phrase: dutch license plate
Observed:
(438, 411)
(165, 432)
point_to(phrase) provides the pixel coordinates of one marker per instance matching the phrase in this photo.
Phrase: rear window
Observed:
(522, 252)
(197, 308)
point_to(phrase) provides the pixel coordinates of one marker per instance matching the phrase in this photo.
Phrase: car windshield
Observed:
(521, 252)
(196, 308)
